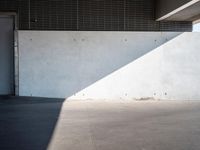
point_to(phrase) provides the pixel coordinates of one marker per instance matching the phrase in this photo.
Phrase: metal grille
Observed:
(53, 14)
(176, 26)
(101, 15)
(90, 15)
(140, 15)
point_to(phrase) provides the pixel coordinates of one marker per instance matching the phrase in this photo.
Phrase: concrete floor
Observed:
(55, 124)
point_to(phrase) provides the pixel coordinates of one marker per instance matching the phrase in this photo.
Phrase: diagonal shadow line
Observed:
(90, 63)
(110, 64)
(29, 123)
(121, 67)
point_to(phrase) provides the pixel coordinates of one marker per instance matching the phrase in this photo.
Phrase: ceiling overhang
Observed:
(189, 11)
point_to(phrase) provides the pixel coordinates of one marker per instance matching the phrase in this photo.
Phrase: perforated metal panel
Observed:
(53, 14)
(176, 26)
(101, 15)
(90, 15)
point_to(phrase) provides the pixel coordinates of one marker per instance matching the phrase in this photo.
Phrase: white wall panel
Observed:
(109, 65)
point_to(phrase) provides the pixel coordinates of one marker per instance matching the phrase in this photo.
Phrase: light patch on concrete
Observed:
(126, 125)
(109, 65)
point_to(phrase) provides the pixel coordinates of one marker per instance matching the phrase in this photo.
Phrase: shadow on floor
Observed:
(27, 123)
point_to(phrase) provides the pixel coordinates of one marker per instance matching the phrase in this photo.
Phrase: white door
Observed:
(6, 55)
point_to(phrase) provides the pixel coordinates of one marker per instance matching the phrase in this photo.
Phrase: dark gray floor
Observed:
(27, 123)
(39, 124)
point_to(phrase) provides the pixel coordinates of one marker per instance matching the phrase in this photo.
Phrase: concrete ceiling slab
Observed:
(191, 13)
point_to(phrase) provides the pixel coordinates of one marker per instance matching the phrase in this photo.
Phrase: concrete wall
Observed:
(109, 65)
(166, 6)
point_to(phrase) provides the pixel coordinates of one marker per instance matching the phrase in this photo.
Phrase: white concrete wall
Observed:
(109, 65)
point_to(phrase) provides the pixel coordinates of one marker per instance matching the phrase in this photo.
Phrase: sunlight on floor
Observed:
(125, 125)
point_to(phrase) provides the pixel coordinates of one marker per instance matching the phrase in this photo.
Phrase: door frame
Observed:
(15, 50)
